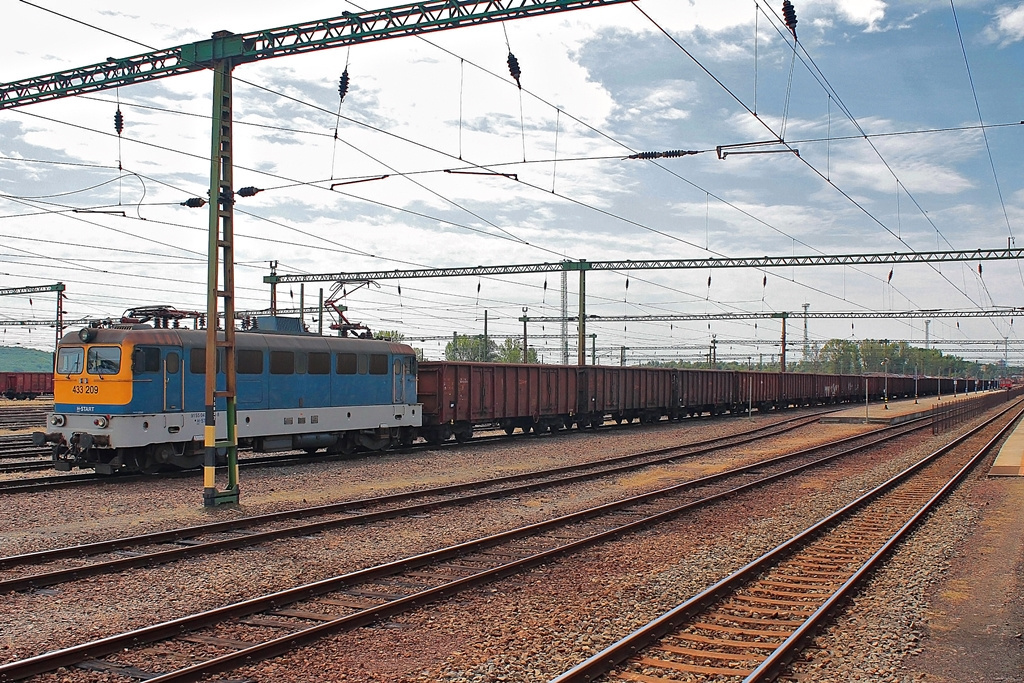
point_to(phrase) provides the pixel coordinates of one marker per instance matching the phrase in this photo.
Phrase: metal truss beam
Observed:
(59, 287)
(666, 264)
(841, 315)
(349, 29)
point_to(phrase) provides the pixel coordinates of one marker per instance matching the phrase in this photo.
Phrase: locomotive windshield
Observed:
(104, 360)
(70, 360)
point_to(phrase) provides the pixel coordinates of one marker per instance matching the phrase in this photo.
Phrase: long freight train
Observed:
(25, 385)
(134, 399)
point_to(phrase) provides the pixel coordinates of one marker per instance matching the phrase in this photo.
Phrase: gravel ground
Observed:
(527, 628)
(533, 628)
(35, 622)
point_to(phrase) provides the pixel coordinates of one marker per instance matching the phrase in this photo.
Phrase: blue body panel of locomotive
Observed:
(168, 373)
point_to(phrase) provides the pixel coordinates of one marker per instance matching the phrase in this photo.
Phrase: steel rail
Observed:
(68, 481)
(642, 638)
(276, 601)
(778, 658)
(600, 468)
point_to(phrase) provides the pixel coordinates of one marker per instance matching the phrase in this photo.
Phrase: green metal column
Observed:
(221, 245)
(581, 340)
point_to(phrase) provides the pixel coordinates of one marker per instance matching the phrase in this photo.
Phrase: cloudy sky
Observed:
(885, 103)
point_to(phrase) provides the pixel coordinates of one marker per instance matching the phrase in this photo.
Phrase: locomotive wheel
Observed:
(146, 463)
(345, 446)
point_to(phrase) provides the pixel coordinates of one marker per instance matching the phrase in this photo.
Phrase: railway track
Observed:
(19, 454)
(272, 624)
(24, 416)
(239, 532)
(749, 625)
(46, 483)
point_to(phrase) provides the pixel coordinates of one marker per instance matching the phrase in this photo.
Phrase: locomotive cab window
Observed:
(145, 359)
(378, 364)
(103, 360)
(70, 360)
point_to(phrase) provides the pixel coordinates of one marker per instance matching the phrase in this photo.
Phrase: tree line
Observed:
(835, 356)
(874, 356)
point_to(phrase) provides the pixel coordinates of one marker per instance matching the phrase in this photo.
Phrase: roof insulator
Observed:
(343, 84)
(194, 202)
(670, 154)
(513, 68)
(248, 191)
(118, 121)
(789, 14)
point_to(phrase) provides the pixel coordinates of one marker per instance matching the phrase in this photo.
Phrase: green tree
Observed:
(469, 349)
(511, 351)
(389, 335)
(840, 357)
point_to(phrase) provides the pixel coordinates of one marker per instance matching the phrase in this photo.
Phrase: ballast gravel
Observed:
(529, 627)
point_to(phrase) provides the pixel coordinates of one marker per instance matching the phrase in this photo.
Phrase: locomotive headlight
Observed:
(87, 334)
(57, 420)
(101, 422)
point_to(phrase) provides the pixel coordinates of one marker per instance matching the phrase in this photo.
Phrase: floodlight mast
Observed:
(220, 54)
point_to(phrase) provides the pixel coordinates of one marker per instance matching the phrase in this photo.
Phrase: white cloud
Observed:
(1009, 25)
(865, 12)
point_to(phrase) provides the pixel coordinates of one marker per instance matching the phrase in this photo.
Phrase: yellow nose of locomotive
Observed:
(91, 372)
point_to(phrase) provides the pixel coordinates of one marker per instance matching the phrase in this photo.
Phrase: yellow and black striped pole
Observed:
(221, 240)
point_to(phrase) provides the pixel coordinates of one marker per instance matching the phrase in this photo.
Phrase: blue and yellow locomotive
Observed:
(133, 399)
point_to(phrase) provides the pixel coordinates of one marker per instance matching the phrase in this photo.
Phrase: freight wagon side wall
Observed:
(616, 390)
(485, 392)
(26, 383)
(709, 390)
(797, 389)
(429, 380)
(760, 388)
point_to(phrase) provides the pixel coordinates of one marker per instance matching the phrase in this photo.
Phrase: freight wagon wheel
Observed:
(463, 434)
(596, 422)
(508, 429)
